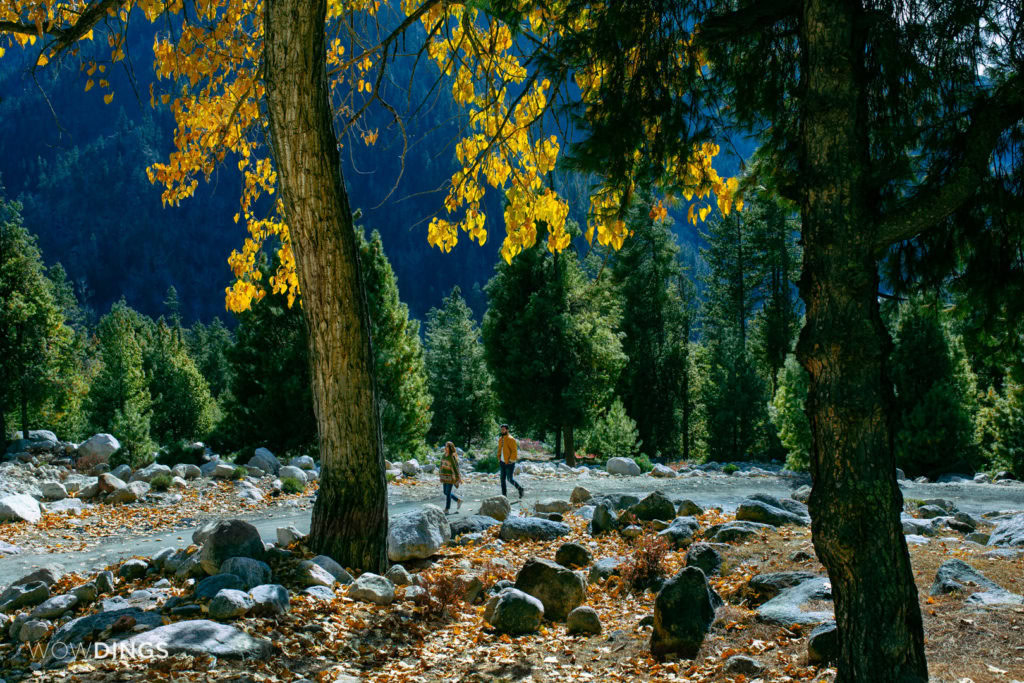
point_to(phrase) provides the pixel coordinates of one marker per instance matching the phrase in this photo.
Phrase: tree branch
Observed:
(64, 37)
(939, 197)
(754, 17)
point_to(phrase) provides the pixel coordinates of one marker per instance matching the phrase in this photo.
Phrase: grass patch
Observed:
(292, 485)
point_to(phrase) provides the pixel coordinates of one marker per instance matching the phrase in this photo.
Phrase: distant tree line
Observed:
(627, 354)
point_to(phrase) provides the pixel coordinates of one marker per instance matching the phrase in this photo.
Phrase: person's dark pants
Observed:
(507, 468)
(449, 496)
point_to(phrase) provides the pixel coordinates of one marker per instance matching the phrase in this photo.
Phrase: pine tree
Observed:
(457, 375)
(1000, 428)
(181, 402)
(119, 400)
(789, 416)
(398, 356)
(551, 343)
(32, 330)
(209, 346)
(935, 390)
(656, 328)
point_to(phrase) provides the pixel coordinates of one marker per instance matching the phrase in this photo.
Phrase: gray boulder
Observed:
(1009, 533)
(398, 575)
(418, 534)
(303, 462)
(122, 471)
(87, 628)
(107, 483)
(230, 538)
(680, 532)
(687, 508)
(704, 557)
(289, 472)
(583, 620)
(286, 535)
(410, 468)
(319, 592)
(133, 569)
(150, 472)
(86, 592)
(788, 607)
(53, 490)
(930, 511)
(251, 572)
(742, 664)
(20, 508)
(768, 585)
(496, 507)
(579, 495)
(663, 472)
(616, 501)
(95, 450)
(735, 531)
(131, 493)
(24, 595)
(603, 520)
(654, 506)
(221, 470)
(754, 510)
(472, 524)
(954, 576)
(823, 644)
(604, 568)
(270, 600)
(55, 606)
(187, 471)
(559, 589)
(203, 637)
(265, 460)
(574, 555)
(532, 529)
(105, 582)
(312, 574)
(333, 568)
(624, 466)
(514, 612)
(553, 505)
(230, 604)
(211, 585)
(683, 614)
(49, 574)
(372, 588)
(33, 630)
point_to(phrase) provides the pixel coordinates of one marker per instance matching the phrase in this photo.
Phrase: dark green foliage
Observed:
(239, 473)
(790, 418)
(119, 399)
(457, 375)
(180, 452)
(644, 462)
(292, 485)
(209, 346)
(935, 403)
(730, 469)
(1000, 429)
(270, 401)
(33, 336)
(614, 434)
(487, 464)
(398, 357)
(551, 342)
(657, 317)
(181, 401)
(160, 482)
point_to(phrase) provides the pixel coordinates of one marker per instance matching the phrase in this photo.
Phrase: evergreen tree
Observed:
(551, 343)
(270, 401)
(935, 404)
(119, 399)
(457, 375)
(209, 346)
(182, 405)
(172, 305)
(1000, 430)
(735, 396)
(398, 356)
(790, 417)
(613, 434)
(32, 330)
(656, 327)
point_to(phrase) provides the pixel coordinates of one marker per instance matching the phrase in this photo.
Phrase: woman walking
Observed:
(450, 476)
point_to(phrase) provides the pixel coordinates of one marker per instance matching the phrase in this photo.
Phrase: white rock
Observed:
(53, 490)
(20, 508)
(96, 449)
(626, 466)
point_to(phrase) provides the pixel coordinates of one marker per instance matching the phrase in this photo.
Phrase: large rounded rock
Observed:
(823, 644)
(95, 450)
(289, 472)
(53, 490)
(251, 572)
(333, 568)
(625, 466)
(229, 604)
(265, 460)
(514, 612)
(583, 620)
(579, 495)
(20, 508)
(752, 510)
(187, 471)
(553, 505)
(107, 483)
(410, 468)
(131, 493)
(683, 614)
(704, 557)
(680, 532)
(574, 555)
(532, 529)
(372, 588)
(654, 506)
(496, 507)
(230, 538)
(201, 637)
(559, 589)
(23, 595)
(270, 600)
(55, 606)
(303, 462)
(150, 472)
(1009, 532)
(418, 534)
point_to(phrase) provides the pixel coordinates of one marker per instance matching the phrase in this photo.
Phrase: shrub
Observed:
(488, 464)
(444, 595)
(644, 462)
(292, 485)
(613, 435)
(239, 473)
(131, 457)
(730, 469)
(181, 452)
(647, 564)
(160, 482)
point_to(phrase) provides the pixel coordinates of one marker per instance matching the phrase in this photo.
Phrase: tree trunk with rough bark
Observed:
(570, 447)
(350, 517)
(855, 504)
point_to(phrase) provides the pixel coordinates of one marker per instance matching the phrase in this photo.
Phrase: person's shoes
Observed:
(446, 512)
(458, 506)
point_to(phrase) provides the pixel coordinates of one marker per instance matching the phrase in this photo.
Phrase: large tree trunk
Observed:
(350, 517)
(24, 408)
(570, 447)
(855, 504)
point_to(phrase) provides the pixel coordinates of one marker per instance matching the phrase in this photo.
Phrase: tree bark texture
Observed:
(570, 447)
(855, 504)
(350, 518)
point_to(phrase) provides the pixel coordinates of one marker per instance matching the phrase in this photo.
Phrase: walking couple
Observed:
(451, 477)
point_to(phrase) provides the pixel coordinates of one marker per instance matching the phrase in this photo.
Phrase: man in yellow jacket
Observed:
(508, 451)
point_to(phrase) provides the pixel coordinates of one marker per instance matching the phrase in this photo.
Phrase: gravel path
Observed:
(709, 491)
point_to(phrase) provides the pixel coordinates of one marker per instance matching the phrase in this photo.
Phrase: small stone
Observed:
(333, 568)
(584, 620)
(497, 507)
(229, 604)
(312, 574)
(705, 557)
(574, 555)
(211, 585)
(133, 569)
(286, 535)
(105, 582)
(398, 575)
(372, 588)
(741, 664)
(55, 606)
(514, 612)
(579, 495)
(823, 644)
(270, 600)
(86, 593)
(320, 592)
(33, 630)
(251, 572)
